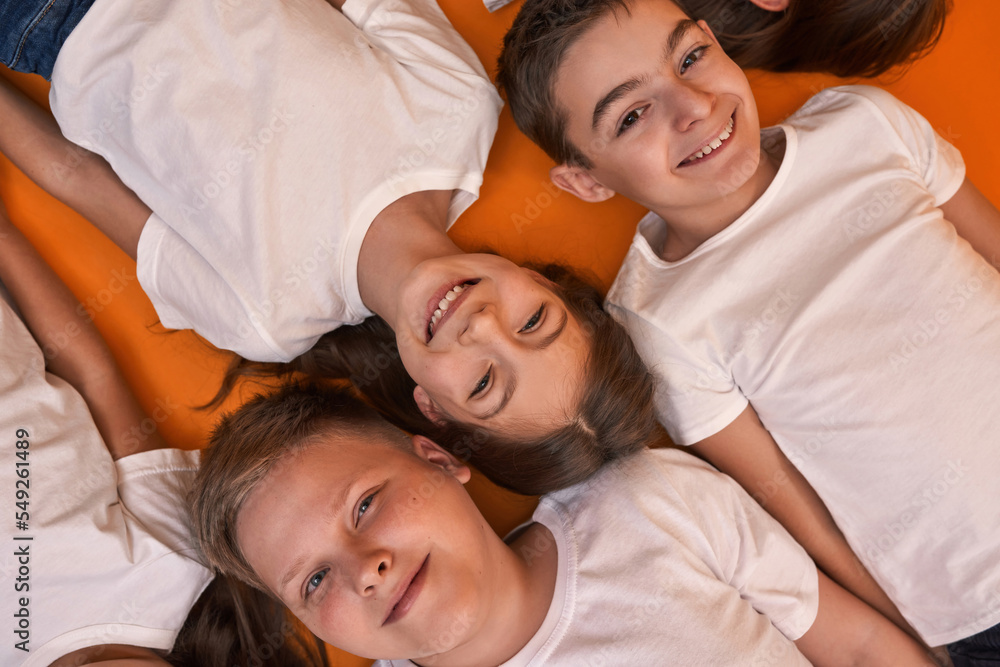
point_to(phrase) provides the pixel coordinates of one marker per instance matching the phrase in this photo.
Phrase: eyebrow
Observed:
(619, 91)
(293, 571)
(512, 385)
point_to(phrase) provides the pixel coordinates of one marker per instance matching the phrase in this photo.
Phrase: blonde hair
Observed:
(249, 444)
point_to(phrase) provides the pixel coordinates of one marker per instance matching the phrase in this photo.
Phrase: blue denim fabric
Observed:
(32, 32)
(980, 650)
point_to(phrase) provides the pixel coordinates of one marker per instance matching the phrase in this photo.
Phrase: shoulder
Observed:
(663, 482)
(849, 103)
(637, 271)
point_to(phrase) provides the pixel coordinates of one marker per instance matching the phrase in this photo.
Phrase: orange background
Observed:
(957, 87)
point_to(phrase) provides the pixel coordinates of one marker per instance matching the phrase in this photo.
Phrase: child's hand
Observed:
(941, 656)
(5, 223)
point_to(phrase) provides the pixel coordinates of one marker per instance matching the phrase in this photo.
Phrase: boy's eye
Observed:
(693, 57)
(533, 321)
(315, 581)
(630, 119)
(483, 383)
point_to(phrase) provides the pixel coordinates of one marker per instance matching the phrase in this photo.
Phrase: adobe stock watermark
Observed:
(533, 206)
(777, 308)
(924, 332)
(893, 532)
(861, 220)
(898, 17)
(244, 153)
(296, 274)
(455, 116)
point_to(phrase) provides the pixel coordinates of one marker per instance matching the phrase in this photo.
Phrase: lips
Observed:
(451, 294)
(712, 145)
(407, 595)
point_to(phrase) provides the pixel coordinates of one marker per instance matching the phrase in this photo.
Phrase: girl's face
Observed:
(489, 343)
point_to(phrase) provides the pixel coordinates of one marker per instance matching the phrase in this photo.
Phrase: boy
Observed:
(758, 248)
(372, 541)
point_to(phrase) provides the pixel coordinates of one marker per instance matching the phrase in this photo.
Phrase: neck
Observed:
(689, 228)
(524, 582)
(405, 233)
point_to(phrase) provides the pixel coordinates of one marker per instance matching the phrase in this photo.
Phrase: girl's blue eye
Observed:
(315, 581)
(533, 322)
(482, 384)
(693, 57)
(630, 119)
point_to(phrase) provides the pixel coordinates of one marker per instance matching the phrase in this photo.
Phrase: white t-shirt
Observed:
(106, 555)
(663, 560)
(266, 136)
(864, 332)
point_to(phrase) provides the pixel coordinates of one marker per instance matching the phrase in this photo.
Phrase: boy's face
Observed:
(644, 94)
(377, 550)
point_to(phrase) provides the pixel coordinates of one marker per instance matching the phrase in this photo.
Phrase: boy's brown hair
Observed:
(250, 443)
(533, 49)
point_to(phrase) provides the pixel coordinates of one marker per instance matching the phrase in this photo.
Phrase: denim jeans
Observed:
(980, 650)
(32, 32)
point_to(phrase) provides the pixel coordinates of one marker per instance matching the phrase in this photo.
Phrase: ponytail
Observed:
(233, 625)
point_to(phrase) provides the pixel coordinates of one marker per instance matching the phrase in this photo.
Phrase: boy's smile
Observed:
(374, 549)
(664, 116)
(379, 550)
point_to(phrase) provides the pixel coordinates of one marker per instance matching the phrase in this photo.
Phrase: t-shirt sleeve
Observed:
(153, 487)
(696, 395)
(418, 35)
(756, 555)
(938, 163)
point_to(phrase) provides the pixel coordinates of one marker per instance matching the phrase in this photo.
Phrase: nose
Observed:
(483, 325)
(691, 104)
(372, 568)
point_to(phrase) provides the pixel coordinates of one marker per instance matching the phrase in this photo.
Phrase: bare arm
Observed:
(30, 138)
(746, 452)
(977, 221)
(74, 350)
(849, 632)
(112, 655)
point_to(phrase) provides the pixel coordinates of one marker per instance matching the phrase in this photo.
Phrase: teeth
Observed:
(444, 304)
(713, 144)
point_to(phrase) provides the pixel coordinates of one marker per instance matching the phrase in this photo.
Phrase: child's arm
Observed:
(73, 348)
(112, 656)
(745, 451)
(30, 138)
(849, 632)
(977, 220)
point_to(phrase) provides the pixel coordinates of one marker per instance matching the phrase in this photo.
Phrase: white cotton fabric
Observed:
(266, 136)
(111, 559)
(664, 561)
(864, 332)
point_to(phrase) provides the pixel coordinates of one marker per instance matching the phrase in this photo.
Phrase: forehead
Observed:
(310, 487)
(614, 48)
(316, 474)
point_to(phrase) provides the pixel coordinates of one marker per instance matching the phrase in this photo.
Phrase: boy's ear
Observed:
(579, 182)
(427, 405)
(772, 5)
(432, 452)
